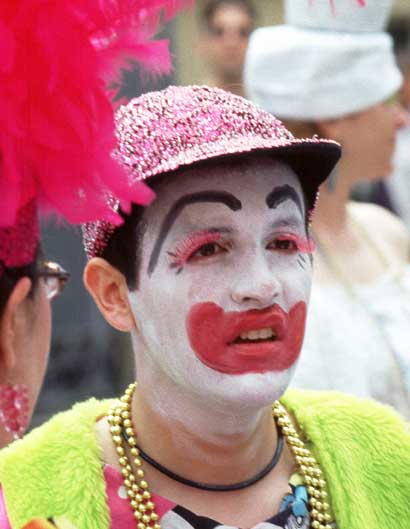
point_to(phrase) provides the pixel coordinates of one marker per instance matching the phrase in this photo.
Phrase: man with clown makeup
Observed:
(212, 280)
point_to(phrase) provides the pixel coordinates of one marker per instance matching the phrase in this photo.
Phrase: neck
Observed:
(330, 216)
(197, 440)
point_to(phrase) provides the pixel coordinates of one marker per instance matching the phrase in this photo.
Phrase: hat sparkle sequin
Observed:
(162, 131)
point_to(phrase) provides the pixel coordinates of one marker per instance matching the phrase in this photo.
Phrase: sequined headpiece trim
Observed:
(18, 243)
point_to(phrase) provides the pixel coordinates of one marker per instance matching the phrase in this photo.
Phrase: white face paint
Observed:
(230, 261)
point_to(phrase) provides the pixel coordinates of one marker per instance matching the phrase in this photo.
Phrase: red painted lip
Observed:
(212, 333)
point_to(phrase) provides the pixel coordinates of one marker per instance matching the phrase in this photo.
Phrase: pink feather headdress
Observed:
(56, 117)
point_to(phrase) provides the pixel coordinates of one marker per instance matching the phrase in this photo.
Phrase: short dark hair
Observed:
(124, 248)
(212, 6)
(9, 277)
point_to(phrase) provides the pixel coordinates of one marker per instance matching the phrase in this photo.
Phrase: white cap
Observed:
(326, 63)
(344, 15)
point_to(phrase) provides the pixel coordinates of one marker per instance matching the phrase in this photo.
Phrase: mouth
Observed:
(256, 326)
(255, 341)
(256, 336)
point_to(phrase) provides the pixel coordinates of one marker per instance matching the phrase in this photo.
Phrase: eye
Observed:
(208, 250)
(217, 32)
(197, 247)
(291, 243)
(244, 33)
(283, 244)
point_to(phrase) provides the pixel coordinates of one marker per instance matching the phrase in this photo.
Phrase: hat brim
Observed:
(312, 161)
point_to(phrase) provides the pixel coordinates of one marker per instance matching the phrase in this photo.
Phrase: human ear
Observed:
(109, 289)
(12, 323)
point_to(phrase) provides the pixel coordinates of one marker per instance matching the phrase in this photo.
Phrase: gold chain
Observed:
(308, 468)
(140, 499)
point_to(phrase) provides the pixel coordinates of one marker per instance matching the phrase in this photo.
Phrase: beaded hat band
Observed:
(180, 126)
(18, 243)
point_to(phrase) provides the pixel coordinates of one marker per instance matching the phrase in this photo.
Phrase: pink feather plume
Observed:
(56, 118)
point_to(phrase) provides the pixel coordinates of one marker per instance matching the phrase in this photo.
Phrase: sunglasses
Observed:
(55, 278)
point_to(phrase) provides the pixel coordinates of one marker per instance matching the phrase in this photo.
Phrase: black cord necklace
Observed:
(219, 488)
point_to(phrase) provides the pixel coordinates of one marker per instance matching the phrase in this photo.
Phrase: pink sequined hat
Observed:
(180, 126)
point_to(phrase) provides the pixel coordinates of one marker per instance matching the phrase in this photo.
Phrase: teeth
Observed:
(265, 333)
(261, 334)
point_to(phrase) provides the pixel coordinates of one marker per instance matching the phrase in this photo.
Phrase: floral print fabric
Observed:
(293, 514)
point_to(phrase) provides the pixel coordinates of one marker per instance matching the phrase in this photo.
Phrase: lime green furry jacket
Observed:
(363, 449)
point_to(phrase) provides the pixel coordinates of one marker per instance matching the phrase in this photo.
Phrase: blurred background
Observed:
(88, 358)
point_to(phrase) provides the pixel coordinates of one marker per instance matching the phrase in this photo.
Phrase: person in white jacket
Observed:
(331, 72)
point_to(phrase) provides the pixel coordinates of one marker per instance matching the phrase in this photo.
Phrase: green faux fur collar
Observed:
(362, 447)
(56, 470)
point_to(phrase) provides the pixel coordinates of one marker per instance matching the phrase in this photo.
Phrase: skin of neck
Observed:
(331, 212)
(199, 440)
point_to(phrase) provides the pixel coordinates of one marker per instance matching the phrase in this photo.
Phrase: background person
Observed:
(225, 29)
(397, 186)
(27, 284)
(333, 73)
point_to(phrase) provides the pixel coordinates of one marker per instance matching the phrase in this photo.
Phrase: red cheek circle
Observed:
(209, 330)
(297, 325)
(205, 331)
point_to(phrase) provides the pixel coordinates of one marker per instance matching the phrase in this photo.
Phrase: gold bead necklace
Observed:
(140, 499)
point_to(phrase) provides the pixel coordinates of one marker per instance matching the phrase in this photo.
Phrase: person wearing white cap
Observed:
(330, 70)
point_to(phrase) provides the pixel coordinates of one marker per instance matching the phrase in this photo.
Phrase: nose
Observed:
(256, 287)
(232, 38)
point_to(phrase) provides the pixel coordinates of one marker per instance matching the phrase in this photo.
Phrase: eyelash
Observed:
(186, 250)
(300, 244)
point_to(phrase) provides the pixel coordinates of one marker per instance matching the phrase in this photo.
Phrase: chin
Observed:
(249, 391)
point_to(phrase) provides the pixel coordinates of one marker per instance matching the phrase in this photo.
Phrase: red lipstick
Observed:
(214, 337)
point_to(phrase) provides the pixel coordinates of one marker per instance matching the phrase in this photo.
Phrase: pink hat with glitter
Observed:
(180, 126)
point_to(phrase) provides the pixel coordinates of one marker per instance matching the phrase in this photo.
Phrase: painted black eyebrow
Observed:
(282, 193)
(223, 197)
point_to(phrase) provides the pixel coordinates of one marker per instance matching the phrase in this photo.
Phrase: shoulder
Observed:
(380, 222)
(310, 403)
(64, 433)
(363, 449)
(66, 427)
(353, 429)
(56, 469)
